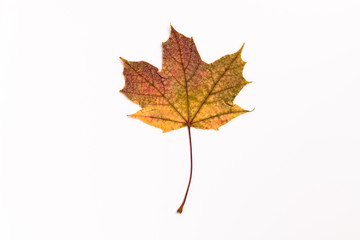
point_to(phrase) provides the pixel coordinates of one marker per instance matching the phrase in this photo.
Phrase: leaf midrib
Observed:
(185, 80)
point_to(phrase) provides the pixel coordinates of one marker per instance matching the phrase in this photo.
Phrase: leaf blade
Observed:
(187, 91)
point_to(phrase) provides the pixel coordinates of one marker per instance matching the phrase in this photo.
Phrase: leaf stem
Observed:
(191, 166)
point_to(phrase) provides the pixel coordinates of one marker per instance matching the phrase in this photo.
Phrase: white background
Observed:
(74, 166)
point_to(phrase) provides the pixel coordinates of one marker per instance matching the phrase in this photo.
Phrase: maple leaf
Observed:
(187, 92)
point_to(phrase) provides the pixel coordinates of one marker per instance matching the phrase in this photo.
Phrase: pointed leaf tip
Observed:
(173, 30)
(123, 60)
(242, 47)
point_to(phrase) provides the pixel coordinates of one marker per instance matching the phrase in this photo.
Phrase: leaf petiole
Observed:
(191, 166)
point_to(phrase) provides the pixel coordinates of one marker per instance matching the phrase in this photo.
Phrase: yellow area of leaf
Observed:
(187, 91)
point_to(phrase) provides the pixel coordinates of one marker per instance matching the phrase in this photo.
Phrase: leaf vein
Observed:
(172, 75)
(223, 90)
(160, 118)
(158, 91)
(218, 115)
(213, 87)
(142, 94)
(171, 55)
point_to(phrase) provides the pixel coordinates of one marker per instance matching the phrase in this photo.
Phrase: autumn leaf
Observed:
(187, 92)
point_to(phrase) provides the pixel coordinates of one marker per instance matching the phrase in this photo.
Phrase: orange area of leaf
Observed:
(187, 91)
